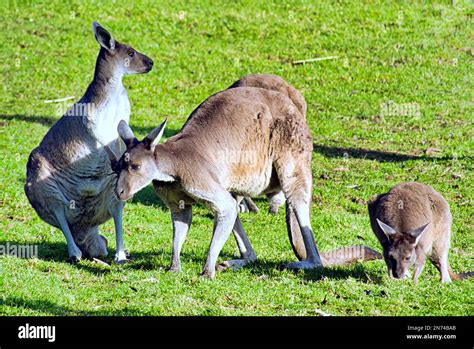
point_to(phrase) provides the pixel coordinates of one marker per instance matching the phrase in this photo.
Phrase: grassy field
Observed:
(401, 85)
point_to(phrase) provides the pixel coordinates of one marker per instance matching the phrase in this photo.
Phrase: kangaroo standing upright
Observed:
(68, 179)
(413, 221)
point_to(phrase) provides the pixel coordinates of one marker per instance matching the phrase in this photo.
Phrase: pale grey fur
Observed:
(69, 181)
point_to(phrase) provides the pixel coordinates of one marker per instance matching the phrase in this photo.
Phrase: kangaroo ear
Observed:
(154, 136)
(103, 37)
(388, 230)
(418, 232)
(126, 133)
(114, 160)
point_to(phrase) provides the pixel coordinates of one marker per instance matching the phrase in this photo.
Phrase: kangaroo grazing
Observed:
(208, 163)
(68, 175)
(413, 221)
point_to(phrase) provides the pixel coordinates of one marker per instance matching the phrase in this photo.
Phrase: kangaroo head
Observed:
(138, 165)
(399, 253)
(121, 57)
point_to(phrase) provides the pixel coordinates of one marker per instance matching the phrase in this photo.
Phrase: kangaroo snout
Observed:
(147, 64)
(122, 194)
(398, 274)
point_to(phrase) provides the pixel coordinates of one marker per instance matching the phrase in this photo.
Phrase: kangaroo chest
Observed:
(108, 114)
(89, 183)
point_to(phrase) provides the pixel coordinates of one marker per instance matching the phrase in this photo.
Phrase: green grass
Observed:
(401, 52)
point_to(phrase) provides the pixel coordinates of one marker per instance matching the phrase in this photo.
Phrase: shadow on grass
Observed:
(327, 151)
(46, 306)
(147, 260)
(140, 260)
(355, 271)
(261, 268)
(160, 259)
(50, 121)
(378, 155)
(57, 252)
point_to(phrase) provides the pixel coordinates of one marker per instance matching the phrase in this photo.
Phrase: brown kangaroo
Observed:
(413, 221)
(277, 84)
(242, 141)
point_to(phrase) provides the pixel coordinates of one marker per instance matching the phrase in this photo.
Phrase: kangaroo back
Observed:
(273, 83)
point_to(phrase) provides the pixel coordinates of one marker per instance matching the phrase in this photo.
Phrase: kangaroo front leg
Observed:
(75, 253)
(116, 212)
(181, 219)
(419, 265)
(247, 253)
(444, 267)
(226, 213)
(276, 200)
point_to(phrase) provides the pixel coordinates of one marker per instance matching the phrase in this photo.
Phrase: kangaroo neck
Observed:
(106, 100)
(165, 163)
(107, 80)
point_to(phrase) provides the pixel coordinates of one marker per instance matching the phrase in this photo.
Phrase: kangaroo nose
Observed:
(119, 192)
(150, 62)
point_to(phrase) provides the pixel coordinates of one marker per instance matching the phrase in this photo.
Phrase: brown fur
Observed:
(273, 83)
(262, 121)
(277, 84)
(407, 208)
(208, 161)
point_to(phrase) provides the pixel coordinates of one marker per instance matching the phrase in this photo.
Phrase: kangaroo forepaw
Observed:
(208, 274)
(234, 264)
(303, 265)
(122, 261)
(123, 258)
(273, 210)
(175, 269)
(73, 260)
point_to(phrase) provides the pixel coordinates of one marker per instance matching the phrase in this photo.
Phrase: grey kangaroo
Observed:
(68, 179)
(208, 163)
(412, 221)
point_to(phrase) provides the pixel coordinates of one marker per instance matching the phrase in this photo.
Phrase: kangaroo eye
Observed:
(407, 258)
(131, 53)
(135, 167)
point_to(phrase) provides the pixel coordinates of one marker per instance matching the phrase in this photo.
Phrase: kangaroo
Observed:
(207, 163)
(277, 84)
(68, 180)
(342, 256)
(412, 221)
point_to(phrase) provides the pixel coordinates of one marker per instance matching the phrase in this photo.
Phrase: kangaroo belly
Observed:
(250, 179)
(84, 191)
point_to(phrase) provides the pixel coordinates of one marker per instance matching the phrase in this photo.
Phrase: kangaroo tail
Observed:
(460, 276)
(349, 255)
